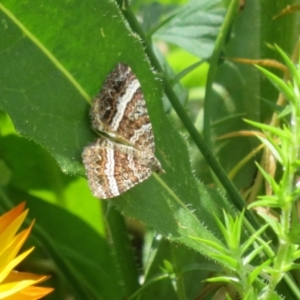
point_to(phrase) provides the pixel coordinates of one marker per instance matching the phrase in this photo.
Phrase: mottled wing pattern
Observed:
(120, 109)
(113, 168)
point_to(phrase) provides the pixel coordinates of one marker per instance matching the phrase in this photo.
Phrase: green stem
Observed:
(230, 16)
(123, 253)
(209, 157)
(250, 220)
(283, 256)
(278, 271)
(181, 293)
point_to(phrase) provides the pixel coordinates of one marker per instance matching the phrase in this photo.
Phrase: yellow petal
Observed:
(6, 219)
(10, 230)
(10, 265)
(12, 288)
(17, 285)
(18, 276)
(13, 248)
(30, 293)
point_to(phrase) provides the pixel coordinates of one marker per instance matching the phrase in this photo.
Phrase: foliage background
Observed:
(54, 56)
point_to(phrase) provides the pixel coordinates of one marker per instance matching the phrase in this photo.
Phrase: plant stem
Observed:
(291, 146)
(231, 190)
(229, 18)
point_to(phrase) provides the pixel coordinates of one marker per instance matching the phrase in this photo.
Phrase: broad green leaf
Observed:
(151, 14)
(30, 173)
(194, 28)
(40, 174)
(50, 72)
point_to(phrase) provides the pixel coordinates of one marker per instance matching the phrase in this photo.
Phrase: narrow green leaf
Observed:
(223, 228)
(223, 279)
(294, 267)
(291, 66)
(272, 202)
(252, 238)
(270, 180)
(271, 221)
(252, 255)
(186, 71)
(275, 130)
(212, 245)
(256, 272)
(275, 150)
(296, 254)
(149, 282)
(279, 84)
(236, 231)
(227, 260)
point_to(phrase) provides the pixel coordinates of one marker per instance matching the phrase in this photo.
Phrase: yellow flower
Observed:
(17, 285)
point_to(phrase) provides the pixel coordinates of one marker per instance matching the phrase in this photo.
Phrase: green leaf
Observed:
(294, 72)
(252, 238)
(235, 94)
(294, 267)
(296, 254)
(274, 149)
(188, 266)
(187, 71)
(227, 260)
(271, 221)
(257, 271)
(5, 173)
(235, 232)
(252, 255)
(40, 174)
(271, 181)
(275, 130)
(52, 81)
(279, 84)
(212, 245)
(194, 28)
(266, 201)
(224, 228)
(154, 280)
(20, 167)
(287, 110)
(223, 279)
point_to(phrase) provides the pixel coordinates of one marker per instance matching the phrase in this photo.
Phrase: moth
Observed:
(124, 158)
